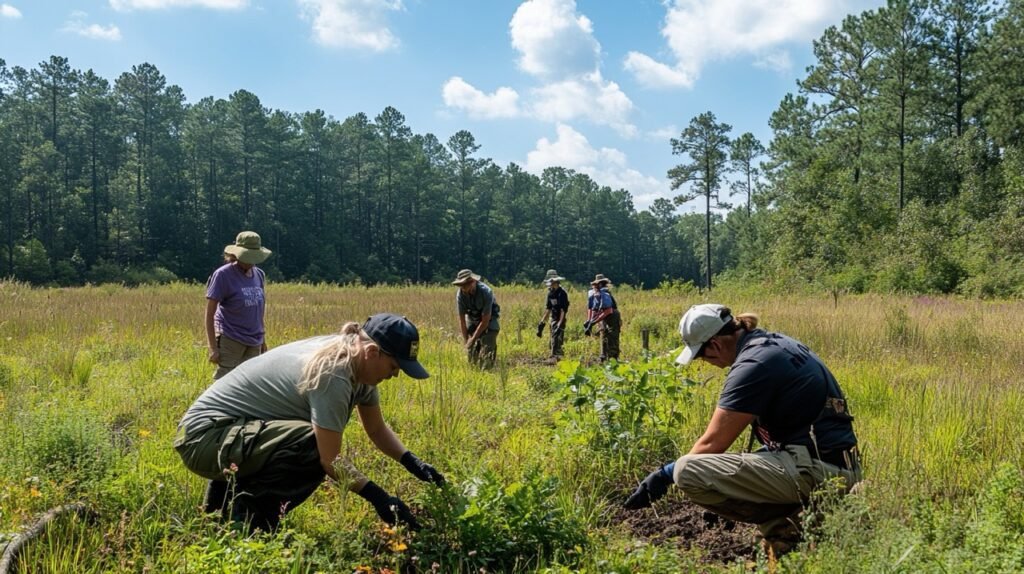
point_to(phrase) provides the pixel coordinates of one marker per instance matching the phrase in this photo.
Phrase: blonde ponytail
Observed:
(340, 353)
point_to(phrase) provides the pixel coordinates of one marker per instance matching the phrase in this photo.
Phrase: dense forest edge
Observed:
(895, 165)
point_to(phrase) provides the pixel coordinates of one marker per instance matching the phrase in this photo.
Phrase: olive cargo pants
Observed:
(272, 466)
(765, 488)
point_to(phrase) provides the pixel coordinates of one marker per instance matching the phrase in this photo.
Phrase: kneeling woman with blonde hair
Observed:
(272, 427)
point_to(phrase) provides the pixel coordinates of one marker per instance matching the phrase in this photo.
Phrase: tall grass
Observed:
(934, 384)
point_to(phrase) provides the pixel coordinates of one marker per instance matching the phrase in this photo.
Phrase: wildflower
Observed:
(435, 567)
(144, 433)
(388, 530)
(34, 492)
(397, 546)
(363, 570)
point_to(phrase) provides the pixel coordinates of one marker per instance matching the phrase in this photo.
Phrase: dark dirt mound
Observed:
(687, 526)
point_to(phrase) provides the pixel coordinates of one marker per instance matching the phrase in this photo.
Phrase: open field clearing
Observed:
(93, 381)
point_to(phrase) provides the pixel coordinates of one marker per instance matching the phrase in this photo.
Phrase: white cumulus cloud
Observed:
(664, 133)
(606, 166)
(8, 11)
(553, 40)
(702, 31)
(654, 74)
(76, 24)
(503, 103)
(126, 5)
(352, 24)
(591, 97)
(556, 45)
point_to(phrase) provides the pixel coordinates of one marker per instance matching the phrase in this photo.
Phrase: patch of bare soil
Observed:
(687, 526)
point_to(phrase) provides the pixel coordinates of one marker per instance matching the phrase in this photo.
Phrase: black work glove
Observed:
(389, 508)
(587, 326)
(540, 329)
(420, 469)
(652, 488)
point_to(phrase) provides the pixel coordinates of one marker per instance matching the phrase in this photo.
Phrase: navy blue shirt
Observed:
(786, 386)
(557, 303)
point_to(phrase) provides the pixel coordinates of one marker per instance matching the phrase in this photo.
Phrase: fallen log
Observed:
(10, 555)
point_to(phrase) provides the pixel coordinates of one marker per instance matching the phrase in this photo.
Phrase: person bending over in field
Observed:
(235, 305)
(267, 433)
(556, 307)
(603, 312)
(795, 409)
(478, 318)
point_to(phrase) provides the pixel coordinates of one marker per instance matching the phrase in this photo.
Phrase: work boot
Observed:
(216, 496)
(777, 547)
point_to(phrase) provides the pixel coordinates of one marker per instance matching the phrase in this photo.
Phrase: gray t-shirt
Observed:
(266, 388)
(475, 305)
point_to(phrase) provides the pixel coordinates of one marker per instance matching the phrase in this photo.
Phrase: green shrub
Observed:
(32, 263)
(149, 275)
(900, 330)
(625, 408)
(65, 445)
(231, 553)
(486, 524)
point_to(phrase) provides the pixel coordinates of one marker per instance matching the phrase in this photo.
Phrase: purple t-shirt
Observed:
(240, 303)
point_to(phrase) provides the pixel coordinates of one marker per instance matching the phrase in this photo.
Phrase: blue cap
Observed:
(399, 338)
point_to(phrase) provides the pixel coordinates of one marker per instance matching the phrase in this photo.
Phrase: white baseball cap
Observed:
(698, 325)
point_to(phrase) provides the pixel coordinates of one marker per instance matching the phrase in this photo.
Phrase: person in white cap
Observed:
(795, 409)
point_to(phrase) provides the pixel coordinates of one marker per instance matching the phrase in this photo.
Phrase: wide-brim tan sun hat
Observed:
(248, 248)
(600, 278)
(464, 277)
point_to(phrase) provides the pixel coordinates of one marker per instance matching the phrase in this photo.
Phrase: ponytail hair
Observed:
(340, 353)
(746, 321)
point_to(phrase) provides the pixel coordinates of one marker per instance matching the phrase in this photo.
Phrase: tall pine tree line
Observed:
(896, 165)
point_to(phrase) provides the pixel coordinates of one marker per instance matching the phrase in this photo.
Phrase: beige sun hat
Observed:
(552, 276)
(600, 278)
(464, 277)
(248, 248)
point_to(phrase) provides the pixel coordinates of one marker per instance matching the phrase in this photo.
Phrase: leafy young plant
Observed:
(624, 407)
(485, 523)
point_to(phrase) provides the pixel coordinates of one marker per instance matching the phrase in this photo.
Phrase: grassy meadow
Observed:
(93, 381)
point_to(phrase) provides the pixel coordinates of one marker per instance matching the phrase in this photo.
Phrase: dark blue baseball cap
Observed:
(399, 338)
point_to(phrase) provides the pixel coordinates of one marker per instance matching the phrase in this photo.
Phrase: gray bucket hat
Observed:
(248, 248)
(464, 277)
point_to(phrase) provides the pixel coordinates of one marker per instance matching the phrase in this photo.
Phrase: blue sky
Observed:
(595, 85)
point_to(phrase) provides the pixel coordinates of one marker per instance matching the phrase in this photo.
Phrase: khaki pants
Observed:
(484, 350)
(766, 488)
(271, 466)
(232, 354)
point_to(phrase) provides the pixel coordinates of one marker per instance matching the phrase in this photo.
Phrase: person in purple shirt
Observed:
(235, 304)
